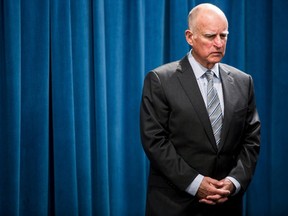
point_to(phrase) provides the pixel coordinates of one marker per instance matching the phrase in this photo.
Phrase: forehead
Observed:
(212, 22)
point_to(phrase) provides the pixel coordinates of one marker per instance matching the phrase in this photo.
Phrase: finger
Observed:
(206, 201)
(215, 197)
(223, 192)
(222, 200)
(215, 182)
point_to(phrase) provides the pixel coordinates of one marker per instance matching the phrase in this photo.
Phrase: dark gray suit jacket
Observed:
(178, 139)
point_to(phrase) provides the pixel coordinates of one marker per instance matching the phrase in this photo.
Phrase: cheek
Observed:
(202, 45)
(205, 48)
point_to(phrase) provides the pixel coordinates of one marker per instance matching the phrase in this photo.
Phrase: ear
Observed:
(189, 37)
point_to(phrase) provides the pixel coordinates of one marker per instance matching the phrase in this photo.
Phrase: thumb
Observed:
(216, 183)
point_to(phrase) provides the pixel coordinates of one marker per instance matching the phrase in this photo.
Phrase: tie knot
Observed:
(209, 75)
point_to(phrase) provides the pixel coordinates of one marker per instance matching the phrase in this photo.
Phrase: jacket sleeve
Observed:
(154, 118)
(250, 146)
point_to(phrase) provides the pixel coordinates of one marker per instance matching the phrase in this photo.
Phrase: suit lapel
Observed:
(229, 93)
(189, 83)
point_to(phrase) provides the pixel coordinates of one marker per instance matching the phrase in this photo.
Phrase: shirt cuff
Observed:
(195, 184)
(236, 184)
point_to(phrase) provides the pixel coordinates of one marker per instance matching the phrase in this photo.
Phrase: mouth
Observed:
(216, 53)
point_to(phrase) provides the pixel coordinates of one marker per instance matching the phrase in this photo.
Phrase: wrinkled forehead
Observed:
(213, 22)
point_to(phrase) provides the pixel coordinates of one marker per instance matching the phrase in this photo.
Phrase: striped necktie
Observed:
(213, 107)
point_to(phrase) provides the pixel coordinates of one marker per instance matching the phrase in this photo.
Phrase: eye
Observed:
(223, 36)
(210, 36)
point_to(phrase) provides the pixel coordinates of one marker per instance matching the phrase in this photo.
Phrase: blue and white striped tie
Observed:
(213, 107)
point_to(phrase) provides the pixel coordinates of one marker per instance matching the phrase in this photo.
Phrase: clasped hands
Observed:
(212, 191)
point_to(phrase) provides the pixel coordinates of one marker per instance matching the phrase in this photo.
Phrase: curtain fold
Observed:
(278, 109)
(34, 94)
(63, 109)
(99, 115)
(71, 76)
(81, 41)
(258, 60)
(10, 109)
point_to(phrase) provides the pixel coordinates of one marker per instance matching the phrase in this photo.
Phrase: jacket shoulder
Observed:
(166, 70)
(235, 72)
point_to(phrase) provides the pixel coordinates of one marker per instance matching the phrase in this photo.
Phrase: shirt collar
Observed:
(198, 69)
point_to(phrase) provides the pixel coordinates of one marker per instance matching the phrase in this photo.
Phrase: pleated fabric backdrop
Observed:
(71, 75)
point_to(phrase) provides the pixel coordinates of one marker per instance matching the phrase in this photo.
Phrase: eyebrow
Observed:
(212, 33)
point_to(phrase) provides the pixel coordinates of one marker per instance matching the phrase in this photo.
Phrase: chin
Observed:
(216, 59)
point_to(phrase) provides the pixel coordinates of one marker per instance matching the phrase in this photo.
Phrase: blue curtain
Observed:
(71, 75)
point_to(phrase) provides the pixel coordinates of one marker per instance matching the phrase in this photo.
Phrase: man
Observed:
(201, 161)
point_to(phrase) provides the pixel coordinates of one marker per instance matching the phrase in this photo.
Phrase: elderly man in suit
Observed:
(199, 126)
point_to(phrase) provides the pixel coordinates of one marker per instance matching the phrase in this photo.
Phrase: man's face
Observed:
(209, 39)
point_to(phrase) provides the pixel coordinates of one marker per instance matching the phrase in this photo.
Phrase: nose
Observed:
(218, 42)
